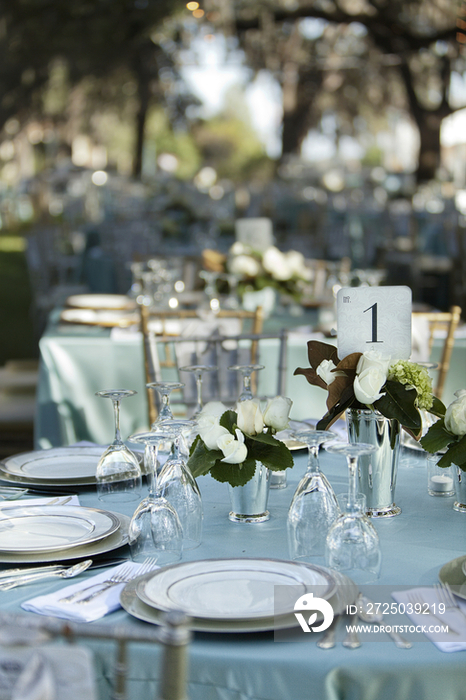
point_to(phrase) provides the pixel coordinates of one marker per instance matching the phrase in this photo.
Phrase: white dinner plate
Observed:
(31, 529)
(108, 318)
(58, 465)
(345, 594)
(85, 551)
(231, 589)
(100, 301)
(452, 573)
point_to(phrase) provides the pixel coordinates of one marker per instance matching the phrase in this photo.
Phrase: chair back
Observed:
(446, 322)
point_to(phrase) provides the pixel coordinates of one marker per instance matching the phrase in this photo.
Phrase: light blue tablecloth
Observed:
(415, 545)
(76, 361)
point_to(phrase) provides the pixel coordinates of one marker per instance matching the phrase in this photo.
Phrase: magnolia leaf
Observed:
(436, 438)
(317, 352)
(234, 474)
(334, 413)
(311, 376)
(438, 408)
(350, 362)
(201, 459)
(398, 403)
(339, 391)
(229, 421)
(456, 454)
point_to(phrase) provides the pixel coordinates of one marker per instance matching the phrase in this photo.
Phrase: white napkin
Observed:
(102, 605)
(452, 618)
(20, 502)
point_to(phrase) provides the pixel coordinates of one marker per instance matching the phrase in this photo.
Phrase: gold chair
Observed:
(446, 321)
(159, 345)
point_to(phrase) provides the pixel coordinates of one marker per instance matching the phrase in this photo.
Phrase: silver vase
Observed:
(377, 471)
(459, 479)
(249, 502)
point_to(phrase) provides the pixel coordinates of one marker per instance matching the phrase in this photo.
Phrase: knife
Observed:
(12, 573)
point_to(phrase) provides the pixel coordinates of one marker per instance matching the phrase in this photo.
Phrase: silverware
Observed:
(367, 613)
(328, 639)
(25, 571)
(7, 493)
(125, 575)
(424, 609)
(446, 596)
(352, 641)
(71, 572)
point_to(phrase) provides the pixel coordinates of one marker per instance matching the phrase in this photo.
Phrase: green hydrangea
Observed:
(410, 373)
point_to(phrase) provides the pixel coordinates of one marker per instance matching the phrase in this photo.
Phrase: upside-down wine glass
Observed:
(246, 372)
(118, 474)
(155, 529)
(314, 506)
(178, 486)
(198, 371)
(164, 389)
(352, 542)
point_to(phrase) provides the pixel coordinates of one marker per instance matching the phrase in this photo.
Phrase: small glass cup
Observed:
(439, 479)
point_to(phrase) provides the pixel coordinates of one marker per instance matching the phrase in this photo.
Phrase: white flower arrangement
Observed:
(230, 442)
(448, 434)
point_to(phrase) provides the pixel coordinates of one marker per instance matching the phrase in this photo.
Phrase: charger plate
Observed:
(32, 529)
(344, 594)
(55, 467)
(118, 539)
(452, 573)
(101, 301)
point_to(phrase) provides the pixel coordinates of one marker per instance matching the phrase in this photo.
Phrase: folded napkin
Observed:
(451, 617)
(62, 500)
(102, 605)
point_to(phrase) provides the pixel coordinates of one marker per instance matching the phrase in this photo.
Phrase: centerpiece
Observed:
(448, 436)
(379, 396)
(239, 447)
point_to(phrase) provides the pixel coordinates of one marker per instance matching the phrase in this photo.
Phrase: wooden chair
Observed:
(160, 356)
(447, 322)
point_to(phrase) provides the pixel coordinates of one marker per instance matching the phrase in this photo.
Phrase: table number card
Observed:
(374, 318)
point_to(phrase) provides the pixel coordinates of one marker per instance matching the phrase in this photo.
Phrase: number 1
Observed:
(374, 323)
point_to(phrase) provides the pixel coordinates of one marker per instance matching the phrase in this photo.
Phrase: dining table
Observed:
(78, 359)
(264, 665)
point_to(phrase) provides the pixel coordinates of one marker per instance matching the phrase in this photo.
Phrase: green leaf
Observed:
(398, 403)
(334, 413)
(234, 474)
(438, 408)
(273, 453)
(456, 454)
(201, 460)
(436, 438)
(229, 421)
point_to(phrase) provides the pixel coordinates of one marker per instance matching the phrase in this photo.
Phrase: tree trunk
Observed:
(429, 151)
(144, 96)
(299, 91)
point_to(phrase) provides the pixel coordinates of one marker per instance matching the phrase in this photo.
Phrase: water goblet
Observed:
(155, 529)
(314, 506)
(164, 390)
(118, 474)
(352, 544)
(178, 486)
(198, 371)
(246, 372)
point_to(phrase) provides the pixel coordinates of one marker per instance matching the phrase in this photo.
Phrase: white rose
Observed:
(367, 385)
(277, 412)
(213, 408)
(210, 431)
(250, 419)
(297, 265)
(325, 371)
(373, 358)
(244, 265)
(455, 415)
(235, 450)
(238, 248)
(275, 262)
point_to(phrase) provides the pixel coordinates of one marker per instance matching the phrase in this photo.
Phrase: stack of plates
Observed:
(57, 467)
(101, 301)
(57, 533)
(234, 595)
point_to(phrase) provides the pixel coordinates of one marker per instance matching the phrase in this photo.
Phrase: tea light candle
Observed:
(441, 482)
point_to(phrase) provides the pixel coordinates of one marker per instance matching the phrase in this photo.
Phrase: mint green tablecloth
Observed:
(415, 545)
(76, 361)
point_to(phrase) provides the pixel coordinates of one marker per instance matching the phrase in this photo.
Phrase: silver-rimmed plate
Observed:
(101, 301)
(346, 592)
(232, 589)
(452, 573)
(108, 544)
(31, 529)
(56, 466)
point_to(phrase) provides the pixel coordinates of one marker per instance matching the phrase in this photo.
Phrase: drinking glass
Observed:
(198, 371)
(155, 529)
(178, 486)
(210, 307)
(118, 475)
(314, 506)
(164, 390)
(352, 542)
(246, 372)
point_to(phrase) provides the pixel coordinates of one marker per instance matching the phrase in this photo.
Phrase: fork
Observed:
(445, 594)
(417, 599)
(123, 576)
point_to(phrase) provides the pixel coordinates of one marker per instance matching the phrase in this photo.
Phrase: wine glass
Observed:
(164, 390)
(314, 506)
(198, 371)
(352, 542)
(178, 486)
(246, 372)
(118, 474)
(155, 529)
(210, 307)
